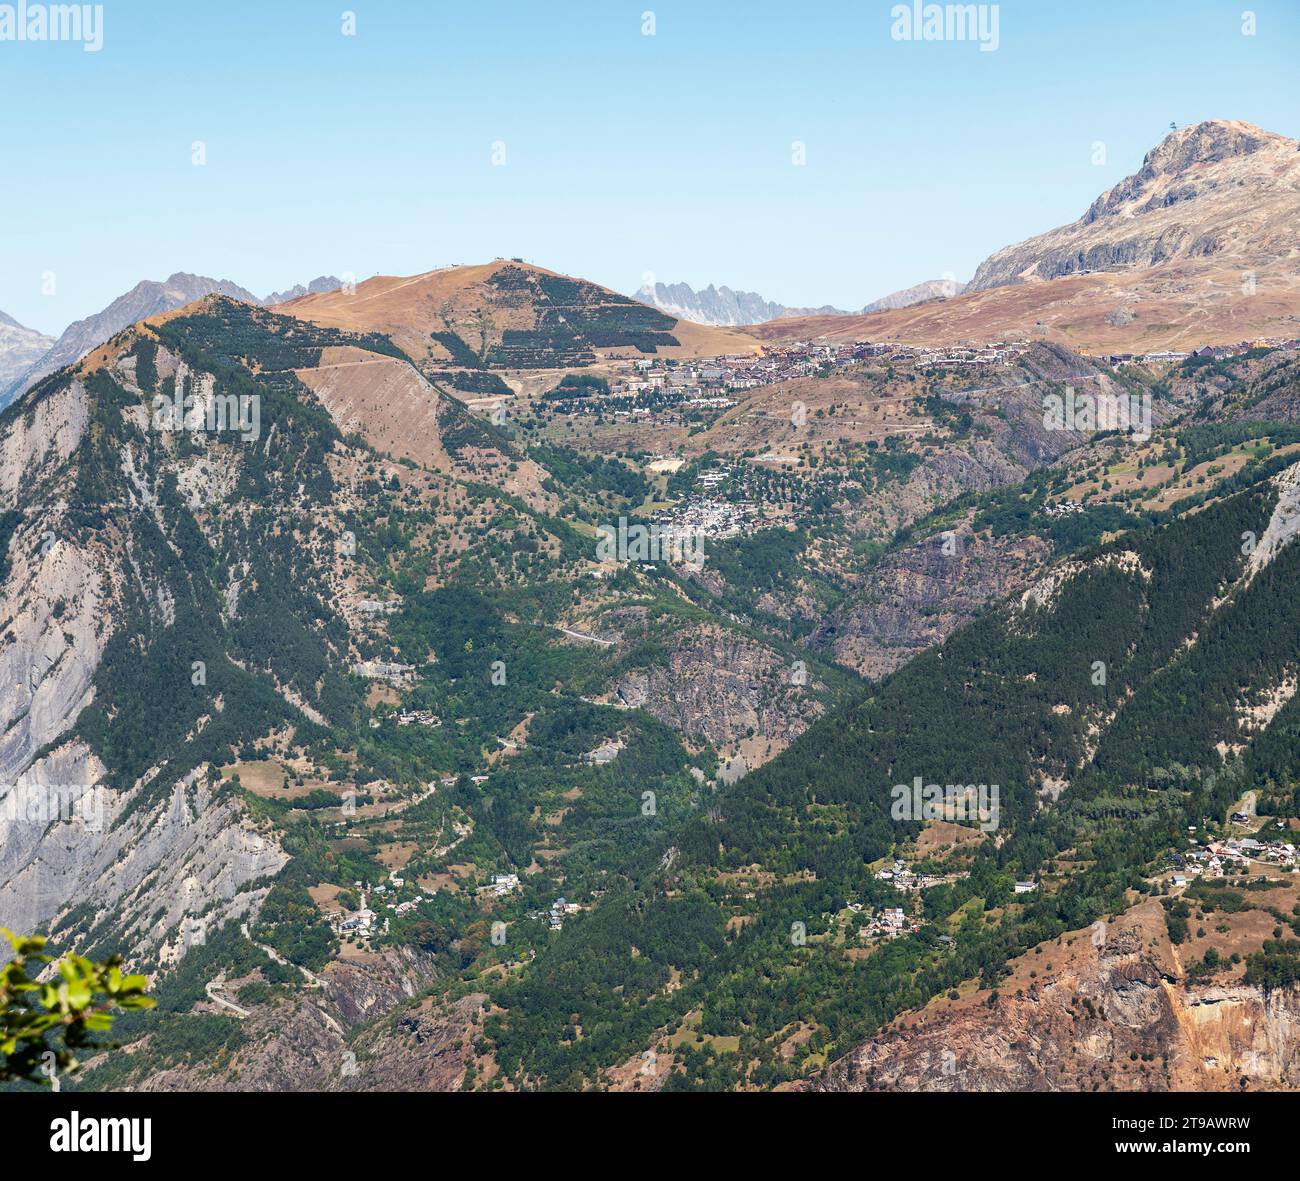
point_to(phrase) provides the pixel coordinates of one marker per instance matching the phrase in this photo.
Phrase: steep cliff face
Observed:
(82, 861)
(920, 595)
(61, 593)
(1009, 437)
(41, 438)
(423, 1046)
(717, 685)
(1105, 1008)
(55, 621)
(362, 1030)
(103, 837)
(979, 466)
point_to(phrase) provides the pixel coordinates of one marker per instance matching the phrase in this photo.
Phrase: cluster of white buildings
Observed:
(360, 924)
(503, 884)
(968, 357)
(699, 379)
(384, 670)
(1209, 352)
(1063, 508)
(560, 909)
(704, 516)
(1244, 849)
(902, 877)
(1216, 857)
(651, 385)
(704, 383)
(886, 924)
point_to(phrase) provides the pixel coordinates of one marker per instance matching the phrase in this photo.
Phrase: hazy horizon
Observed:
(624, 153)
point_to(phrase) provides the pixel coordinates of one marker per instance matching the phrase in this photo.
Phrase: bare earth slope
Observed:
(1107, 1008)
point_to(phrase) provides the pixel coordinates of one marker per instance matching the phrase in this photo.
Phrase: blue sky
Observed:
(624, 153)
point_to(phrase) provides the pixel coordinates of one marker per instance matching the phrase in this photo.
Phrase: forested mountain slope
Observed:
(280, 616)
(368, 751)
(1012, 700)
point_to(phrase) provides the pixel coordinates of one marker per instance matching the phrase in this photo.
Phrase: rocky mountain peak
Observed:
(322, 284)
(1219, 194)
(147, 298)
(20, 347)
(1207, 143)
(1183, 154)
(721, 306)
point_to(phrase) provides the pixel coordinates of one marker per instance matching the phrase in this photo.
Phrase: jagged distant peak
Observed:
(183, 284)
(721, 306)
(320, 285)
(20, 348)
(149, 297)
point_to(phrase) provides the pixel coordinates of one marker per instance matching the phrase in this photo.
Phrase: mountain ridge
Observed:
(1151, 217)
(721, 306)
(1196, 247)
(320, 285)
(510, 314)
(724, 307)
(924, 292)
(20, 348)
(146, 299)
